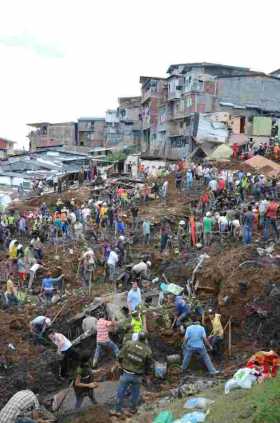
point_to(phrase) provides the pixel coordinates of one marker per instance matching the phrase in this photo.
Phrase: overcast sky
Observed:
(63, 59)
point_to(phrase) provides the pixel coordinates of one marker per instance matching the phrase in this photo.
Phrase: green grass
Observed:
(261, 404)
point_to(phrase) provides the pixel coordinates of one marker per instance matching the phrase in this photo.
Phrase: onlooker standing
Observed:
(248, 220)
(147, 231)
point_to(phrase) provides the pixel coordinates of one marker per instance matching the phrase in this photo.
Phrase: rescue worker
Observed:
(217, 334)
(181, 234)
(39, 325)
(135, 359)
(83, 383)
(182, 310)
(195, 341)
(103, 339)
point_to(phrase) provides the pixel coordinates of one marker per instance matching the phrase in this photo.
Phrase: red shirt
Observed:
(271, 210)
(221, 184)
(204, 198)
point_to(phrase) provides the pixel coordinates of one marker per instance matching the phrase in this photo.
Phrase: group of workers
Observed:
(231, 203)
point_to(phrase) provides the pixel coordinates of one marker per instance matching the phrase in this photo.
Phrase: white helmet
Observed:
(121, 238)
(182, 222)
(208, 214)
(149, 264)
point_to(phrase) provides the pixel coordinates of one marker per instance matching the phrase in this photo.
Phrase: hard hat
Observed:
(182, 222)
(208, 214)
(149, 263)
(121, 238)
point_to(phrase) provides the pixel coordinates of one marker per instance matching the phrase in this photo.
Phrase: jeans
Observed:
(163, 242)
(189, 183)
(247, 235)
(31, 278)
(267, 224)
(189, 351)
(128, 380)
(112, 272)
(182, 317)
(100, 345)
(24, 420)
(147, 238)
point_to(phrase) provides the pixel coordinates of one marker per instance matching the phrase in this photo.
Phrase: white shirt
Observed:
(263, 206)
(85, 212)
(140, 268)
(213, 185)
(35, 267)
(113, 258)
(78, 227)
(73, 217)
(236, 223)
(223, 220)
(12, 243)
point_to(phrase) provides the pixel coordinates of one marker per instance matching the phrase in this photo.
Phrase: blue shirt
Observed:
(194, 335)
(47, 283)
(134, 298)
(181, 306)
(146, 227)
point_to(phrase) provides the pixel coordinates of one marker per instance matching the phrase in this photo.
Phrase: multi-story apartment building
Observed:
(91, 132)
(123, 125)
(154, 95)
(206, 104)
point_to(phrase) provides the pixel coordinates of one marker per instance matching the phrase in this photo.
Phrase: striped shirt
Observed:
(22, 403)
(103, 330)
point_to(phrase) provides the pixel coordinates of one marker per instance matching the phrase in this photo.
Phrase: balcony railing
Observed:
(172, 95)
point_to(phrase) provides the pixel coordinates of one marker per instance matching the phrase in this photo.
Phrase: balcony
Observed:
(149, 93)
(176, 114)
(173, 95)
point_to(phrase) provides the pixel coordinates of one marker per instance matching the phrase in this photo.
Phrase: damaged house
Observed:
(204, 105)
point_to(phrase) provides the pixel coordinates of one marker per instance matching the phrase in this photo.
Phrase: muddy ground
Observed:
(242, 293)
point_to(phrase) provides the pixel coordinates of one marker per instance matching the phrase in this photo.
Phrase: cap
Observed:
(149, 263)
(208, 214)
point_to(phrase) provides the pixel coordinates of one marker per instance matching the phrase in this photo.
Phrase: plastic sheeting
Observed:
(210, 131)
(223, 152)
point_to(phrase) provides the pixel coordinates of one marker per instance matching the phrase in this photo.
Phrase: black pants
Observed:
(70, 357)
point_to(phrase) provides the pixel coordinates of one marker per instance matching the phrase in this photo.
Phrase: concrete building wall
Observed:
(259, 91)
(91, 132)
(52, 135)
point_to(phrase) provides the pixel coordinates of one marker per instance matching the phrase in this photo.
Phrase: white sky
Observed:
(63, 59)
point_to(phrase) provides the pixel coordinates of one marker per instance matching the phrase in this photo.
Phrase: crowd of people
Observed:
(234, 205)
